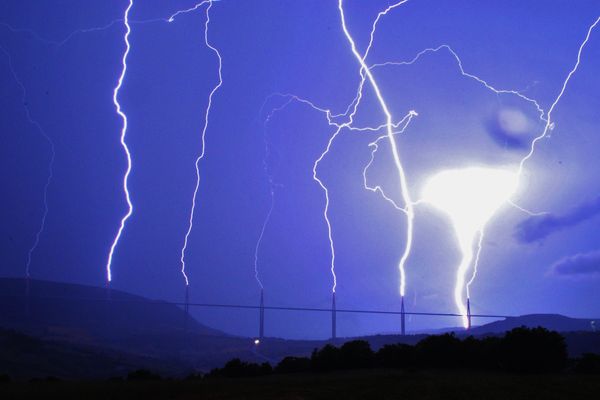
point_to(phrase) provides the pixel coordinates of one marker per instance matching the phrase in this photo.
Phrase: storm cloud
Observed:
(538, 227)
(579, 265)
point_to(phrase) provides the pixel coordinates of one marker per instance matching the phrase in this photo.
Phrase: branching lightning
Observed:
(463, 73)
(409, 210)
(374, 148)
(58, 43)
(348, 115)
(468, 256)
(548, 125)
(438, 191)
(191, 9)
(203, 139)
(123, 142)
(50, 163)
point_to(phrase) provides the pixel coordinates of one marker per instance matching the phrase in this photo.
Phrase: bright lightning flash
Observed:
(390, 135)
(123, 143)
(470, 197)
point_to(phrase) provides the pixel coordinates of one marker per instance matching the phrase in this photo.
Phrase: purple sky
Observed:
(529, 264)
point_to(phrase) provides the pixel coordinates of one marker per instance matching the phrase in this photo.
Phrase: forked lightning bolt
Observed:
(348, 115)
(374, 148)
(124, 130)
(408, 204)
(116, 92)
(544, 117)
(549, 125)
(390, 127)
(352, 108)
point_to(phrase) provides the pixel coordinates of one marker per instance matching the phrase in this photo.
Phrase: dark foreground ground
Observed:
(379, 384)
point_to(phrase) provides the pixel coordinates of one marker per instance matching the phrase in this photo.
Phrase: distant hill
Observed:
(554, 322)
(26, 357)
(80, 324)
(88, 314)
(66, 315)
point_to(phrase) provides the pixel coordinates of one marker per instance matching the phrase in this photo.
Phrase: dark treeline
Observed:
(519, 350)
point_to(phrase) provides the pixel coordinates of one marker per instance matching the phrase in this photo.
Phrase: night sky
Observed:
(67, 56)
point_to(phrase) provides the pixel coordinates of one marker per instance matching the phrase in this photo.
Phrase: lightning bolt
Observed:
(189, 10)
(203, 138)
(262, 234)
(123, 142)
(476, 263)
(526, 211)
(271, 207)
(374, 145)
(330, 120)
(391, 131)
(409, 210)
(468, 256)
(463, 72)
(348, 115)
(549, 125)
(58, 43)
(50, 163)
(364, 72)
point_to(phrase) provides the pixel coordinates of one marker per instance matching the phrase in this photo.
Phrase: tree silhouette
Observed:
(356, 354)
(533, 350)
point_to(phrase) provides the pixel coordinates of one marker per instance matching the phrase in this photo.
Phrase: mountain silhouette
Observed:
(553, 322)
(88, 314)
(71, 320)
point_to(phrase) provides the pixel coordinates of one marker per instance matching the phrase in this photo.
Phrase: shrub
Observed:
(439, 351)
(293, 365)
(143, 375)
(533, 350)
(237, 368)
(356, 354)
(588, 364)
(325, 359)
(396, 356)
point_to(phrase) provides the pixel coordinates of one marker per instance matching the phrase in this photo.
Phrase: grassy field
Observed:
(459, 385)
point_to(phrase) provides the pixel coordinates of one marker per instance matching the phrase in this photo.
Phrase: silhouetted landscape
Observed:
(63, 333)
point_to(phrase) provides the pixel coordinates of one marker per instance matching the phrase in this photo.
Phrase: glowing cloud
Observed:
(470, 197)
